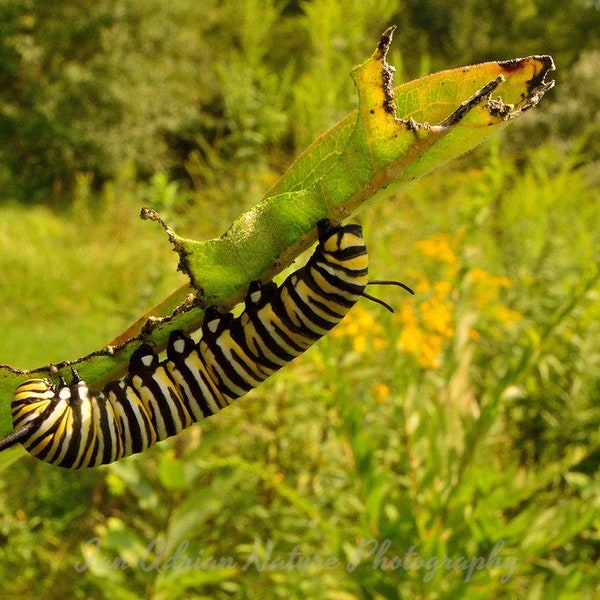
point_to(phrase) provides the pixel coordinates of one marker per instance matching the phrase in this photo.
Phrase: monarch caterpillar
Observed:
(70, 426)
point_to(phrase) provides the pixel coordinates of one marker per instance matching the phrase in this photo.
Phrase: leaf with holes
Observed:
(395, 136)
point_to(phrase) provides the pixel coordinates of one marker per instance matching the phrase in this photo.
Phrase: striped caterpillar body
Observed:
(70, 426)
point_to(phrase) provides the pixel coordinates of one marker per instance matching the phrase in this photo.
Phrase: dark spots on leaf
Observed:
(512, 65)
(473, 101)
(412, 125)
(386, 40)
(387, 72)
(497, 108)
(538, 81)
(389, 105)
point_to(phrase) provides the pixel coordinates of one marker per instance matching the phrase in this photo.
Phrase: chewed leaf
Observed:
(395, 136)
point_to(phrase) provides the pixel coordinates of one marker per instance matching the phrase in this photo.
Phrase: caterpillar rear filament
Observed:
(70, 426)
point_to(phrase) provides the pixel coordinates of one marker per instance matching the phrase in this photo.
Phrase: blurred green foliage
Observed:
(466, 425)
(194, 88)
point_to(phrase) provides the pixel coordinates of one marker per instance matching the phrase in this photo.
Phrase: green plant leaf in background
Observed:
(394, 137)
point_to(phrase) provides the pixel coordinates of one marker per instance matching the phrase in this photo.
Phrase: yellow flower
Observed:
(381, 392)
(487, 287)
(359, 343)
(437, 317)
(507, 316)
(427, 325)
(362, 326)
(437, 247)
(480, 276)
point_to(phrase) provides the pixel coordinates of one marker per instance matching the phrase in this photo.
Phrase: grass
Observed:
(448, 450)
(55, 265)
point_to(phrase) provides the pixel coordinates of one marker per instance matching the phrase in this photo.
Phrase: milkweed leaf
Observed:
(395, 136)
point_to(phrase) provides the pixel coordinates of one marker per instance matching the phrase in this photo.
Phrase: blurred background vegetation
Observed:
(465, 425)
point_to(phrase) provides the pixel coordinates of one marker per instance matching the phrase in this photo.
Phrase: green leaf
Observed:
(395, 136)
(370, 154)
(171, 472)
